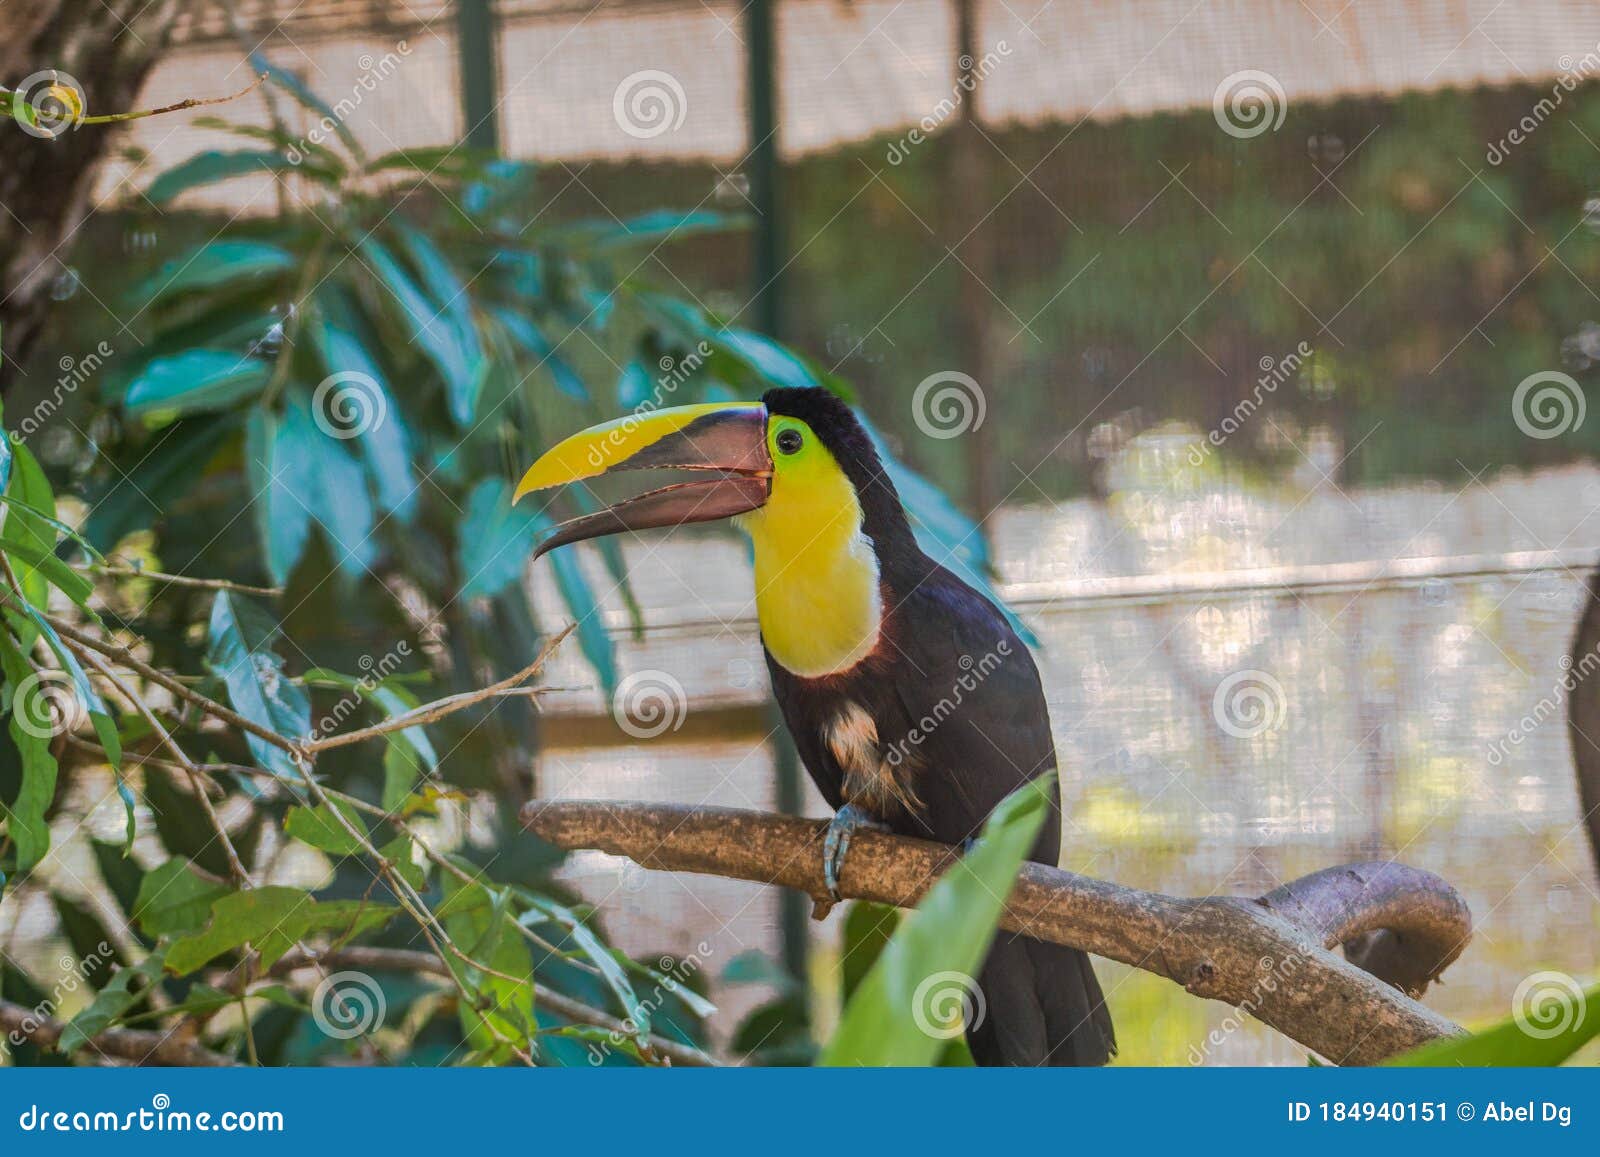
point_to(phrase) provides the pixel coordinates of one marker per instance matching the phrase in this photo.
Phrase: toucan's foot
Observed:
(967, 845)
(836, 844)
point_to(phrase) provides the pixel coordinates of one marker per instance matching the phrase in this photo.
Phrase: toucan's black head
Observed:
(837, 428)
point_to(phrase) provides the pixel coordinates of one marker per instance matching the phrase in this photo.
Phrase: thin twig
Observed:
(121, 1044)
(235, 865)
(183, 580)
(439, 708)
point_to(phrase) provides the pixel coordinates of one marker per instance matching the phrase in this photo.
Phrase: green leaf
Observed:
(25, 815)
(217, 265)
(240, 635)
(338, 335)
(212, 166)
(196, 381)
(480, 921)
(111, 1002)
(593, 637)
(1557, 1020)
(636, 1011)
(302, 92)
(494, 541)
(301, 475)
(942, 942)
(270, 919)
(454, 353)
(320, 828)
(27, 532)
(148, 480)
(174, 898)
(402, 853)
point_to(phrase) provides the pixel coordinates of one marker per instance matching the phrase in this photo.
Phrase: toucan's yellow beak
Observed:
(728, 438)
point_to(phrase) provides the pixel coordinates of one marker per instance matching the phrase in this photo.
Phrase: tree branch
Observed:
(1268, 957)
(139, 1047)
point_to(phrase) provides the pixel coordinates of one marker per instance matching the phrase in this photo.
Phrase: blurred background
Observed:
(1254, 337)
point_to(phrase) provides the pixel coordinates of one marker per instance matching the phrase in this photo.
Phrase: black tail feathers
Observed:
(1042, 1005)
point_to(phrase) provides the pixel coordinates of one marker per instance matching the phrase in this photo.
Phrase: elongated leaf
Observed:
(637, 1012)
(125, 990)
(454, 354)
(292, 84)
(271, 918)
(301, 475)
(1557, 1019)
(216, 265)
(215, 165)
(240, 654)
(593, 637)
(942, 943)
(27, 531)
(25, 814)
(198, 381)
(532, 338)
(380, 428)
(495, 539)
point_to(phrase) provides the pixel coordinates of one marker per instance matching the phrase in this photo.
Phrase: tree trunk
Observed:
(108, 48)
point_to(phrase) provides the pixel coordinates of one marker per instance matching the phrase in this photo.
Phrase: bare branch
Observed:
(1268, 957)
(134, 1046)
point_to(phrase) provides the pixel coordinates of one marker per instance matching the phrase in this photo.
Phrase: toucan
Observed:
(914, 705)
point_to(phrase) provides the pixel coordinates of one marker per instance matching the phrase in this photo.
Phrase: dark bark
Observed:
(108, 47)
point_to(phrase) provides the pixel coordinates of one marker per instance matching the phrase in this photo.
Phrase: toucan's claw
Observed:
(836, 844)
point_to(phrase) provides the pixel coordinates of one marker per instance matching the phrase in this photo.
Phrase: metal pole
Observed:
(475, 37)
(766, 297)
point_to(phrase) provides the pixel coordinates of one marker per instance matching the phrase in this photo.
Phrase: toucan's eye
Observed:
(789, 441)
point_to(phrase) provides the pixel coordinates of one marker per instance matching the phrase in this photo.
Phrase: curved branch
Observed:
(1268, 957)
(119, 1044)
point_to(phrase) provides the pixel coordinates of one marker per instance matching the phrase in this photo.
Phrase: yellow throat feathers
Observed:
(817, 594)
